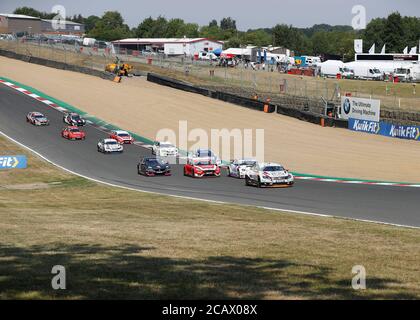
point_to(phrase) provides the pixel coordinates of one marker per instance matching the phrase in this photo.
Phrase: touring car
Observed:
(238, 168)
(73, 119)
(109, 146)
(200, 167)
(268, 175)
(206, 153)
(164, 149)
(73, 133)
(123, 137)
(37, 119)
(151, 166)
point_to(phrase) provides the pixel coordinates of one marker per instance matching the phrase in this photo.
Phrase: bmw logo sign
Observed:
(346, 106)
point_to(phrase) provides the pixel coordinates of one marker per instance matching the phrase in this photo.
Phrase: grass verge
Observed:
(121, 244)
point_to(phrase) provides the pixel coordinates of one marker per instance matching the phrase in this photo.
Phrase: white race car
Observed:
(109, 146)
(206, 153)
(268, 175)
(164, 149)
(238, 168)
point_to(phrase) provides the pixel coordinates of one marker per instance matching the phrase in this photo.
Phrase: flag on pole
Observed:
(383, 49)
(358, 45)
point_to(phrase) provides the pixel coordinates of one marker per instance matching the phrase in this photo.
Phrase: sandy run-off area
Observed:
(145, 108)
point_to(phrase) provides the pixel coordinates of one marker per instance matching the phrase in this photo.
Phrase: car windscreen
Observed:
(249, 163)
(273, 168)
(39, 116)
(154, 162)
(124, 135)
(203, 163)
(204, 153)
(166, 145)
(111, 142)
(74, 130)
(76, 117)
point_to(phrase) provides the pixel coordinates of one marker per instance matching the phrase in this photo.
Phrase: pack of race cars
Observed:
(200, 163)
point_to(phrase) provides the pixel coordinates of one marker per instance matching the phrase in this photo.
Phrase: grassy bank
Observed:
(121, 244)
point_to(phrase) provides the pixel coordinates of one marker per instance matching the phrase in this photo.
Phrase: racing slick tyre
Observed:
(247, 181)
(99, 149)
(259, 185)
(228, 172)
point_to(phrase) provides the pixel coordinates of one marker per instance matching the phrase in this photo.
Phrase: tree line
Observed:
(395, 31)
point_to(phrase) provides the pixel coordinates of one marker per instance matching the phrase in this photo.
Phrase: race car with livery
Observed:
(123, 137)
(238, 167)
(164, 149)
(37, 119)
(200, 167)
(109, 146)
(206, 153)
(74, 119)
(268, 175)
(73, 133)
(151, 166)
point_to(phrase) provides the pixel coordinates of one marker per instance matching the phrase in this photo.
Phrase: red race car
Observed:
(200, 167)
(121, 136)
(73, 133)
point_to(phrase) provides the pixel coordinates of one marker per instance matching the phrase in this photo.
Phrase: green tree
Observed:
(394, 32)
(228, 24)
(90, 22)
(34, 13)
(110, 27)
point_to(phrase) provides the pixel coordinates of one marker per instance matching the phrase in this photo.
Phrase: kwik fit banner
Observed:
(13, 162)
(385, 129)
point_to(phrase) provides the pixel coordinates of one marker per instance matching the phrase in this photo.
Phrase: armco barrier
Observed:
(227, 97)
(385, 129)
(56, 64)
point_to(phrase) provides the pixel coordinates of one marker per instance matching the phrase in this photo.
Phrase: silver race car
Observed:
(268, 175)
(238, 168)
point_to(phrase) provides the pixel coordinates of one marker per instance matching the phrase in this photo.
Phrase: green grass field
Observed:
(116, 243)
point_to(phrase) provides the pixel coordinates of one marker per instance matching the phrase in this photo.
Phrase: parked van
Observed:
(365, 71)
(331, 68)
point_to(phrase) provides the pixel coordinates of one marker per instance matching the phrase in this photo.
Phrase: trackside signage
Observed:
(360, 108)
(13, 162)
(385, 129)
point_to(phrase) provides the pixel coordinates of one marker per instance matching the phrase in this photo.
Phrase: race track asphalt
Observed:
(396, 205)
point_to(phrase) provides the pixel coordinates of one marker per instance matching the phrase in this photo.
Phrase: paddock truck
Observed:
(200, 167)
(238, 168)
(73, 133)
(37, 119)
(123, 137)
(73, 119)
(152, 166)
(109, 146)
(268, 175)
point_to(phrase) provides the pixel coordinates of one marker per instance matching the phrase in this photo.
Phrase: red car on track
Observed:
(200, 167)
(121, 136)
(73, 133)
